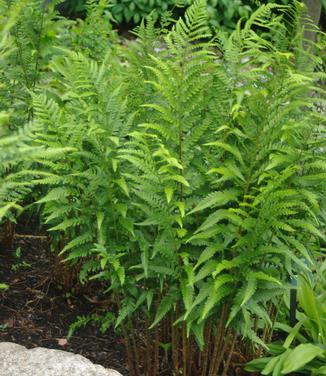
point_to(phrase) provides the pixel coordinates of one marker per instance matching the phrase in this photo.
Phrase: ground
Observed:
(35, 312)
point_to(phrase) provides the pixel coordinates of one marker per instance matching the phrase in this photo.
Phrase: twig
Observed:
(227, 364)
(22, 236)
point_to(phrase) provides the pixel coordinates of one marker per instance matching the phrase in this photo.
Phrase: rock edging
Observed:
(16, 360)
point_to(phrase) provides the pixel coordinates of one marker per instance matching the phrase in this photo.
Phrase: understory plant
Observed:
(184, 172)
(32, 38)
(11, 145)
(304, 349)
(31, 33)
(28, 32)
(192, 186)
(221, 13)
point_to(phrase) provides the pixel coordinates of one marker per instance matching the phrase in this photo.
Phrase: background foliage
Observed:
(221, 13)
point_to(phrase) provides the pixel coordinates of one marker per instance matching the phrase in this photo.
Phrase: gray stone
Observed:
(16, 360)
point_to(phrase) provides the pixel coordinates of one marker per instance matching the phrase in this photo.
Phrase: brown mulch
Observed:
(34, 311)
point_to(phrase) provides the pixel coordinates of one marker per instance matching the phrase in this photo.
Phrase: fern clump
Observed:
(186, 174)
(32, 39)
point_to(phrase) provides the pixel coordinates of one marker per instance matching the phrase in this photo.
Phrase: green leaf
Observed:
(322, 370)
(198, 331)
(293, 333)
(249, 291)
(127, 224)
(309, 302)
(182, 232)
(206, 270)
(165, 306)
(54, 194)
(168, 193)
(270, 366)
(115, 140)
(123, 185)
(229, 148)
(211, 301)
(216, 199)
(100, 218)
(4, 118)
(300, 356)
(178, 178)
(181, 207)
(144, 260)
(208, 253)
(265, 277)
(218, 216)
(4, 210)
(187, 293)
(149, 299)
(256, 365)
(114, 164)
(202, 295)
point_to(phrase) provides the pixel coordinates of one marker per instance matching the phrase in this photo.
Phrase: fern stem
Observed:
(184, 349)
(274, 318)
(217, 355)
(207, 349)
(130, 358)
(189, 355)
(175, 346)
(156, 352)
(227, 364)
(135, 348)
(148, 349)
(128, 346)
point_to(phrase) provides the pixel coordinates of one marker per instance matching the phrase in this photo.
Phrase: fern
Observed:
(186, 174)
(252, 164)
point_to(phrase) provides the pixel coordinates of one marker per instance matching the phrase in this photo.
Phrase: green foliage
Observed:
(11, 146)
(185, 171)
(304, 348)
(32, 39)
(30, 36)
(93, 35)
(129, 10)
(225, 14)
(221, 13)
(84, 185)
(202, 197)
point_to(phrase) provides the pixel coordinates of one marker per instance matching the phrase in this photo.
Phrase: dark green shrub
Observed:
(135, 11)
(221, 13)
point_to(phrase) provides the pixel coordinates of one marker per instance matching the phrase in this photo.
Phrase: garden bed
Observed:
(181, 176)
(35, 312)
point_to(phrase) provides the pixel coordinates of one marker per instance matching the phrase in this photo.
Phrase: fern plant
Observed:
(195, 195)
(10, 145)
(32, 37)
(15, 151)
(30, 34)
(224, 185)
(82, 206)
